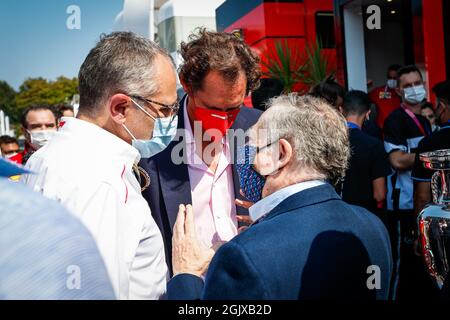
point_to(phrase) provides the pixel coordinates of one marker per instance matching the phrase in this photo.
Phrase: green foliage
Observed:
(315, 69)
(310, 68)
(7, 100)
(34, 91)
(284, 66)
(40, 91)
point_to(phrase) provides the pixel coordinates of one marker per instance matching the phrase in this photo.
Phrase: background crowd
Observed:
(333, 186)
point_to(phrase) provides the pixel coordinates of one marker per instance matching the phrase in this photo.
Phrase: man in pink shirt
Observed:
(212, 189)
(218, 72)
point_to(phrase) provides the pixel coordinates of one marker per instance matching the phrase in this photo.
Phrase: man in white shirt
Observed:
(128, 107)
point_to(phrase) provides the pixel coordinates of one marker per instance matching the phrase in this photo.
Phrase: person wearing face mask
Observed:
(385, 97)
(403, 129)
(128, 110)
(305, 242)
(217, 73)
(38, 127)
(9, 148)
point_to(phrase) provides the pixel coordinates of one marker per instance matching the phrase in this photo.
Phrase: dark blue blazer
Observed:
(311, 246)
(169, 182)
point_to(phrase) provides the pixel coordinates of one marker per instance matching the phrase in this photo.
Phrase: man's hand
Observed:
(188, 254)
(242, 203)
(246, 220)
(401, 160)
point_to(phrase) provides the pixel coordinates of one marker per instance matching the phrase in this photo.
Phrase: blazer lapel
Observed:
(174, 178)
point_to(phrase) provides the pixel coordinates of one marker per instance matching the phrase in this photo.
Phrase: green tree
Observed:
(7, 101)
(40, 91)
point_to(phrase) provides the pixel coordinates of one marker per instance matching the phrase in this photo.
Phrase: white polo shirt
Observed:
(89, 170)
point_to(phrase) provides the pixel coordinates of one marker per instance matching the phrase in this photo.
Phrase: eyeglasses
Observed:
(167, 110)
(259, 149)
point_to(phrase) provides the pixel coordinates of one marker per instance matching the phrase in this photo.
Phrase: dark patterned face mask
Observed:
(251, 182)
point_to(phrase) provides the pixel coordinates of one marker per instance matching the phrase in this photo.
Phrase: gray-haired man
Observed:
(128, 107)
(305, 242)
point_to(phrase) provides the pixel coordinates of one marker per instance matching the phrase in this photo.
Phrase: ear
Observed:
(399, 91)
(368, 114)
(25, 132)
(186, 88)
(119, 106)
(444, 111)
(286, 153)
(341, 110)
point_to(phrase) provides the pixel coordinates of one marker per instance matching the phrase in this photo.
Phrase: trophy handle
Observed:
(436, 190)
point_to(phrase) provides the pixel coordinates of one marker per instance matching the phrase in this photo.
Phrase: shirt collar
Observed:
(353, 125)
(267, 204)
(101, 139)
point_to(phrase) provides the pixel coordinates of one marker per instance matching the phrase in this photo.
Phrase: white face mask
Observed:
(392, 83)
(9, 156)
(41, 137)
(414, 95)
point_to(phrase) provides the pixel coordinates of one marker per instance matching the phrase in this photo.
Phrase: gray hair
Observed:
(121, 62)
(318, 133)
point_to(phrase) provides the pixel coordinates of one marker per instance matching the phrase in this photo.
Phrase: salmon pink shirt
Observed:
(212, 192)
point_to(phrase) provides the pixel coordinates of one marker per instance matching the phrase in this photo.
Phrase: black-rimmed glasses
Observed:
(171, 109)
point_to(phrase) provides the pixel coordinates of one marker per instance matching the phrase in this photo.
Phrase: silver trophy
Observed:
(434, 220)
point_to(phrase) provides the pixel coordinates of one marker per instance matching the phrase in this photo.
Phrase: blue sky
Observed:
(36, 42)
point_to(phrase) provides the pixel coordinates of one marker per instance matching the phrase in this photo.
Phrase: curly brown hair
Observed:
(219, 51)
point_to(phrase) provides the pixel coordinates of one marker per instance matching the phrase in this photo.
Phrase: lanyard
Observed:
(352, 125)
(416, 121)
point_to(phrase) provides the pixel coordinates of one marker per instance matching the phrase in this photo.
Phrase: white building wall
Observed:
(354, 45)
